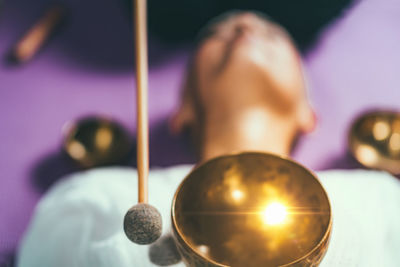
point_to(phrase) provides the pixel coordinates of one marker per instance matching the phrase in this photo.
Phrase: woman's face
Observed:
(245, 48)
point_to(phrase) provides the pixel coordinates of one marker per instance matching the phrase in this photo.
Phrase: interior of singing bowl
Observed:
(251, 209)
(375, 140)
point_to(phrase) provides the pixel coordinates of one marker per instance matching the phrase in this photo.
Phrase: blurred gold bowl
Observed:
(96, 141)
(251, 209)
(374, 140)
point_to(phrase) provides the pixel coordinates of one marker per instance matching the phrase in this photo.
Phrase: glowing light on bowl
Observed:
(103, 138)
(366, 154)
(394, 142)
(381, 130)
(275, 213)
(237, 195)
(76, 150)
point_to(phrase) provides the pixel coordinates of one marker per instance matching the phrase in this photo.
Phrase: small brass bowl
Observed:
(251, 209)
(96, 141)
(374, 140)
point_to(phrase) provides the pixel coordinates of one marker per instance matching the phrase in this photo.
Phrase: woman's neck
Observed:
(253, 129)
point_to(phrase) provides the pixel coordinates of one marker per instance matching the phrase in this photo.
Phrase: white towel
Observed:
(79, 221)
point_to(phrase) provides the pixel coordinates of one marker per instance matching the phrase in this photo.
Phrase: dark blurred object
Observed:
(34, 39)
(7, 259)
(374, 140)
(97, 141)
(51, 168)
(164, 252)
(180, 20)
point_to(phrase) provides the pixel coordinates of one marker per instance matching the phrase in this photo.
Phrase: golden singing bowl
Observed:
(251, 209)
(96, 141)
(374, 140)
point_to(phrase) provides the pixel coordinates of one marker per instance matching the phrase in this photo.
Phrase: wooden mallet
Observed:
(142, 222)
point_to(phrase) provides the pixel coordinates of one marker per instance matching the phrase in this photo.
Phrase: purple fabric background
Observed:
(86, 69)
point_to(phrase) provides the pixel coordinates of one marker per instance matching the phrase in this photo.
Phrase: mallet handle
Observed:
(140, 18)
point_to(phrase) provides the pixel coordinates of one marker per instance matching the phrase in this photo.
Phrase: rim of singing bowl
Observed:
(324, 238)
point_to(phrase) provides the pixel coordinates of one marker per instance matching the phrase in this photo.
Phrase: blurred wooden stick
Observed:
(37, 35)
(140, 18)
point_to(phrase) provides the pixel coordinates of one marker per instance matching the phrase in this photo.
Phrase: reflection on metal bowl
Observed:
(374, 140)
(96, 141)
(251, 209)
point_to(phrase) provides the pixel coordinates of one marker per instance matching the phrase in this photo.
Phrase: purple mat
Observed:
(353, 67)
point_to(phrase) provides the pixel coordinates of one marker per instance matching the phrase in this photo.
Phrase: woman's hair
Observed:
(180, 20)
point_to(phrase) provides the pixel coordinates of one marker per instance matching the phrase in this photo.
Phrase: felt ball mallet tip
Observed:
(143, 224)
